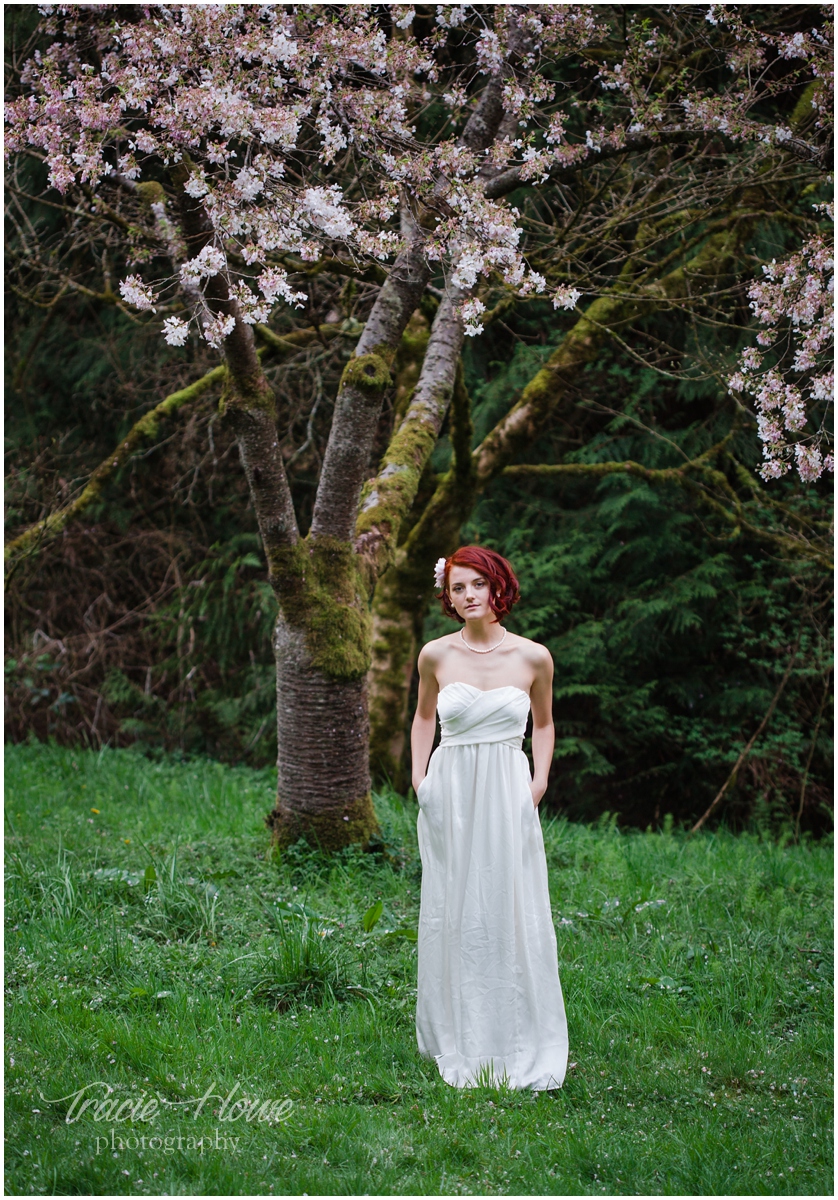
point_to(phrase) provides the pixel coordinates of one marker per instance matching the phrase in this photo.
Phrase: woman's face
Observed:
(469, 593)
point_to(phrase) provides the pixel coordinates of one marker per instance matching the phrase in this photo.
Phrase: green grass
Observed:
(153, 947)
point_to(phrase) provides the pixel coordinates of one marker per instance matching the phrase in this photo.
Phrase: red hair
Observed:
(503, 586)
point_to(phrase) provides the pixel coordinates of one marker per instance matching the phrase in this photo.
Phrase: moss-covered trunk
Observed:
(397, 628)
(322, 646)
(404, 590)
(323, 777)
(325, 582)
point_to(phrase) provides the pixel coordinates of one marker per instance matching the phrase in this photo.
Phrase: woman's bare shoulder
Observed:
(433, 651)
(535, 651)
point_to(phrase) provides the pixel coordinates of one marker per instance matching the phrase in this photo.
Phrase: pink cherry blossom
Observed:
(794, 299)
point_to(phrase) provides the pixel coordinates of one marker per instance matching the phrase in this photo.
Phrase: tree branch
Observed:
(511, 179)
(367, 374)
(651, 474)
(387, 498)
(637, 143)
(362, 387)
(36, 536)
(542, 396)
(747, 750)
(734, 515)
(247, 401)
(520, 427)
(33, 539)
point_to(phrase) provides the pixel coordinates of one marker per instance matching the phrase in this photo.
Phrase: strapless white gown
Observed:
(489, 1001)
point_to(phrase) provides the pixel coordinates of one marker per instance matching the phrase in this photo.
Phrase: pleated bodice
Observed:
(468, 715)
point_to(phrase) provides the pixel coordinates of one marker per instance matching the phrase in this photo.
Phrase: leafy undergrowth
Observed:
(246, 1026)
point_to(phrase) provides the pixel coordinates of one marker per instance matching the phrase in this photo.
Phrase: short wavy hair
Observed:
(503, 586)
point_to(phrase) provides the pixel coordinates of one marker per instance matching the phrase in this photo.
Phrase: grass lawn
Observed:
(153, 949)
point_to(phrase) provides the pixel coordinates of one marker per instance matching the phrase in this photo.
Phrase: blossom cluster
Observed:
(695, 108)
(265, 111)
(238, 93)
(794, 303)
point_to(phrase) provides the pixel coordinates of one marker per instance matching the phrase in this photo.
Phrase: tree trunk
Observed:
(401, 602)
(324, 638)
(324, 634)
(393, 639)
(323, 780)
(398, 609)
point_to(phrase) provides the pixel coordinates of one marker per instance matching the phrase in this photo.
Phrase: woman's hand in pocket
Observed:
(537, 790)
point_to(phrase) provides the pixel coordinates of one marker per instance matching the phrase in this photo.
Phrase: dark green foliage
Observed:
(217, 623)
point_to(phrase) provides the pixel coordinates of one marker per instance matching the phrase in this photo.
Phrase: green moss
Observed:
(367, 372)
(338, 617)
(322, 593)
(386, 499)
(387, 702)
(247, 393)
(353, 823)
(803, 108)
(287, 574)
(413, 345)
(147, 427)
(151, 192)
(408, 364)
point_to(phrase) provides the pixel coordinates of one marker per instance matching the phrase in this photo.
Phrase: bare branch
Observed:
(33, 539)
(747, 749)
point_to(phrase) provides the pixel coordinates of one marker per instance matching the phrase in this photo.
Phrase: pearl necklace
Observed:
(489, 651)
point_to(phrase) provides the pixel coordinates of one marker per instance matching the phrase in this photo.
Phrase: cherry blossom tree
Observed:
(236, 150)
(791, 372)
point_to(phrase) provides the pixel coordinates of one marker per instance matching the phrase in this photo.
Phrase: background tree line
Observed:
(598, 447)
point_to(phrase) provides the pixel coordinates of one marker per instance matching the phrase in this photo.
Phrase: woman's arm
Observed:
(543, 733)
(424, 721)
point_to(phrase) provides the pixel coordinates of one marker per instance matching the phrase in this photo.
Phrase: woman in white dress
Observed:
(489, 1005)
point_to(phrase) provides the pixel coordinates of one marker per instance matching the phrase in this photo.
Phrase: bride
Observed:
(489, 1002)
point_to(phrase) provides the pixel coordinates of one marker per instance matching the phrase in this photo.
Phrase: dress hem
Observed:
(460, 1076)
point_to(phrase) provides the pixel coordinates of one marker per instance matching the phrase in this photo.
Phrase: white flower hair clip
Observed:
(439, 572)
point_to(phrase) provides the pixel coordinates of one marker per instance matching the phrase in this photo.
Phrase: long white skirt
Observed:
(489, 1001)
